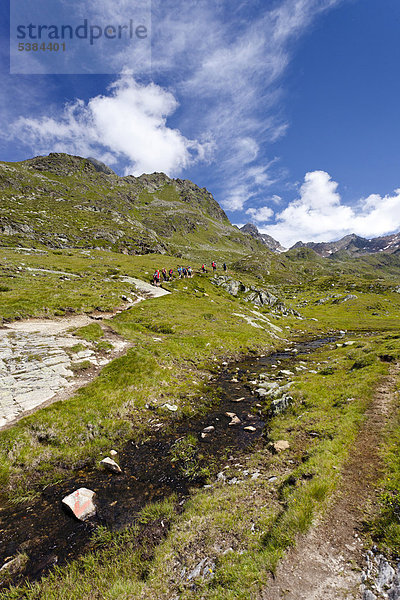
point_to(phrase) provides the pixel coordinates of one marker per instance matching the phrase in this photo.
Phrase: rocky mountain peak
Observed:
(264, 238)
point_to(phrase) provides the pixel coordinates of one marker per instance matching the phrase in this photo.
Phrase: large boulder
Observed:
(232, 286)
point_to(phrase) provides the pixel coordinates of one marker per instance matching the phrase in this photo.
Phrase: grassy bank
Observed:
(240, 526)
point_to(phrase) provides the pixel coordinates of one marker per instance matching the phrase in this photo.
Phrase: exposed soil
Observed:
(326, 562)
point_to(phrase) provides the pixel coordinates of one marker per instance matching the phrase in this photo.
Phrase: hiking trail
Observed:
(326, 562)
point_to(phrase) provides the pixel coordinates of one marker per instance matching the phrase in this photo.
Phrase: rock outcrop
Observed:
(259, 297)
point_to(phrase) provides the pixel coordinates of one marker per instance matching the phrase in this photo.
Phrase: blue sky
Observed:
(286, 110)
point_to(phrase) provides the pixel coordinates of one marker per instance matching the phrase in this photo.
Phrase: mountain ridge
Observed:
(354, 245)
(351, 244)
(88, 205)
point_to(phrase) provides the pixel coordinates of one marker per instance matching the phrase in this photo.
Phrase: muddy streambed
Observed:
(150, 471)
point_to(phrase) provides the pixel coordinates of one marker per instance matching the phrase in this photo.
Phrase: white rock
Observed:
(81, 503)
(170, 407)
(111, 465)
(209, 429)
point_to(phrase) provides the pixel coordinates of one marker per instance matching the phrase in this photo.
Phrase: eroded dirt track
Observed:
(326, 563)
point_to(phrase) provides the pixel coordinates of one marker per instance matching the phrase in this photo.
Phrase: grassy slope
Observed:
(89, 209)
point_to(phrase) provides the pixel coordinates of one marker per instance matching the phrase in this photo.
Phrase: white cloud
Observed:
(129, 124)
(260, 215)
(236, 197)
(319, 214)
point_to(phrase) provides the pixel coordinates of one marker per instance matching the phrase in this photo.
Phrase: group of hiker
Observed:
(181, 273)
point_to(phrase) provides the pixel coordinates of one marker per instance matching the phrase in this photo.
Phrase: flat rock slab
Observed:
(35, 363)
(145, 287)
(81, 503)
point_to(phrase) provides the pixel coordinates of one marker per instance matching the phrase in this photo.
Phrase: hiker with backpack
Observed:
(156, 278)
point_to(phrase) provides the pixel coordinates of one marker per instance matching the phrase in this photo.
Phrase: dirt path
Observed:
(326, 563)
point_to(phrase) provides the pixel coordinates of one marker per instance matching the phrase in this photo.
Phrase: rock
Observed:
(345, 299)
(170, 407)
(205, 569)
(209, 429)
(368, 595)
(81, 503)
(385, 575)
(127, 299)
(250, 429)
(113, 453)
(394, 592)
(272, 479)
(15, 565)
(111, 465)
(280, 446)
(280, 405)
(234, 421)
(285, 372)
(100, 166)
(238, 399)
(269, 385)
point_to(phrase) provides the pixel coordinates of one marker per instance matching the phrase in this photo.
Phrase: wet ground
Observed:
(48, 535)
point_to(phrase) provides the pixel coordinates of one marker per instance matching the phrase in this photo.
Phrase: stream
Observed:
(49, 536)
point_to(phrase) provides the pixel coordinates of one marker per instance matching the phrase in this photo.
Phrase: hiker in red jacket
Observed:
(156, 278)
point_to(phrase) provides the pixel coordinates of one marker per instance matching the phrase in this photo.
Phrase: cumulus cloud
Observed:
(319, 214)
(127, 124)
(260, 215)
